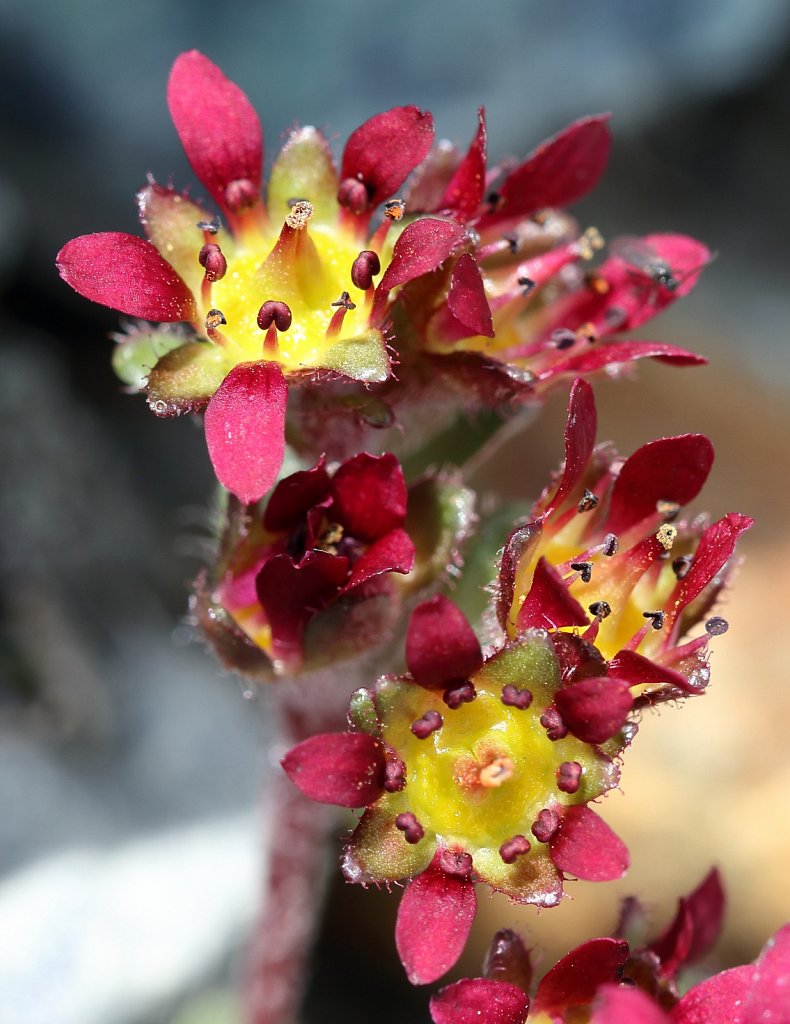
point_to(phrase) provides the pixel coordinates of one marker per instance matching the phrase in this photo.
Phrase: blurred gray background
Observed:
(130, 769)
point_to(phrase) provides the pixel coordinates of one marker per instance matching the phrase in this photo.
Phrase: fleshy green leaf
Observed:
(439, 518)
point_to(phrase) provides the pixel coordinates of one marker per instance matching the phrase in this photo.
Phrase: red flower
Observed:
(607, 557)
(325, 539)
(514, 314)
(465, 780)
(287, 291)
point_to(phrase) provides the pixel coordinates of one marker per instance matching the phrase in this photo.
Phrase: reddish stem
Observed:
(292, 898)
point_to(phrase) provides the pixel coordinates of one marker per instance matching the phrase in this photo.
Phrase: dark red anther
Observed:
(512, 697)
(215, 318)
(656, 618)
(527, 285)
(668, 510)
(610, 545)
(552, 722)
(545, 825)
(353, 195)
(364, 268)
(344, 302)
(430, 722)
(514, 848)
(716, 626)
(240, 195)
(394, 775)
(563, 339)
(274, 312)
(681, 566)
(455, 696)
(600, 609)
(212, 260)
(456, 863)
(584, 569)
(512, 244)
(411, 828)
(569, 776)
(588, 502)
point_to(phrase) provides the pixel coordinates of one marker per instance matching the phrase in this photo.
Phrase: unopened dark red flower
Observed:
(290, 288)
(324, 538)
(465, 779)
(515, 311)
(609, 567)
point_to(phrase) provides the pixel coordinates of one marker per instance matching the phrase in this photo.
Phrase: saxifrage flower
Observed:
(606, 565)
(287, 290)
(514, 312)
(602, 981)
(465, 780)
(307, 578)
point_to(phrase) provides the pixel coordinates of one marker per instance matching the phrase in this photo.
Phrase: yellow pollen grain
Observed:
(299, 215)
(666, 536)
(494, 774)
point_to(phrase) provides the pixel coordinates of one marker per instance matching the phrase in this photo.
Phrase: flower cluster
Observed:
(347, 311)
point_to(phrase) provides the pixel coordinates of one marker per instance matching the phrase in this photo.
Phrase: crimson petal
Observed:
(467, 298)
(345, 768)
(441, 646)
(394, 552)
(291, 594)
(472, 1000)
(767, 1001)
(671, 469)
(594, 709)
(218, 128)
(294, 496)
(586, 847)
(519, 546)
(549, 604)
(706, 905)
(370, 496)
(580, 429)
(383, 151)
(421, 247)
(126, 273)
(629, 1006)
(245, 429)
(466, 188)
(611, 353)
(561, 170)
(721, 998)
(434, 920)
(673, 946)
(714, 550)
(576, 978)
(637, 670)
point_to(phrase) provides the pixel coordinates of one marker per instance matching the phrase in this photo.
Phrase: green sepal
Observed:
(362, 714)
(527, 663)
(378, 851)
(364, 358)
(304, 170)
(137, 353)
(531, 878)
(439, 518)
(186, 378)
